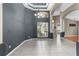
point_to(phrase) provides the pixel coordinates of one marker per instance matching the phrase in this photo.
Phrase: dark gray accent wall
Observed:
(29, 23)
(77, 48)
(17, 25)
(2, 49)
(13, 25)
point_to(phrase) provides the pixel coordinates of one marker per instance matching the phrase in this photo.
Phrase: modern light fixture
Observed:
(37, 13)
(42, 14)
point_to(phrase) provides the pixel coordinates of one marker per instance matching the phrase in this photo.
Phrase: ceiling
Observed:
(39, 6)
(60, 7)
(54, 8)
(74, 15)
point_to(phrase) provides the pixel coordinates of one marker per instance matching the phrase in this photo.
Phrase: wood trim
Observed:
(74, 38)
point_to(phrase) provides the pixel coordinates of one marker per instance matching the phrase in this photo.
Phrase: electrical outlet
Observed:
(9, 46)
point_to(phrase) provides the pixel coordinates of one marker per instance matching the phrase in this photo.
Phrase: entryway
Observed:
(42, 29)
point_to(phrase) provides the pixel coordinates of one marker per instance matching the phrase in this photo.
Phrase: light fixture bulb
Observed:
(35, 14)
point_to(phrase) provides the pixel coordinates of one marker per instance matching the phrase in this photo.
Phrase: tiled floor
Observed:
(45, 47)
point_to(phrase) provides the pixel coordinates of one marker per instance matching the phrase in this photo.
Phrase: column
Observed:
(0, 23)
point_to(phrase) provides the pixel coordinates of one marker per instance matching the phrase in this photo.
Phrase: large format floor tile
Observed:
(45, 47)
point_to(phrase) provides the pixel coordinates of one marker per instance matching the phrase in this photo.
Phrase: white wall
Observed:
(71, 30)
(0, 23)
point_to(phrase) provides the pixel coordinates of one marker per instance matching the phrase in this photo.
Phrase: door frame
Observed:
(47, 30)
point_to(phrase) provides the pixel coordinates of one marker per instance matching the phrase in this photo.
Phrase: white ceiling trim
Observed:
(26, 5)
(35, 6)
(65, 6)
(62, 8)
(73, 15)
(50, 6)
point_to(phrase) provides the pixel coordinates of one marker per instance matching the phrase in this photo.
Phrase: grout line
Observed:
(18, 47)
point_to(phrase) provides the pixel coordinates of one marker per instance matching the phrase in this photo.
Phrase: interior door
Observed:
(42, 29)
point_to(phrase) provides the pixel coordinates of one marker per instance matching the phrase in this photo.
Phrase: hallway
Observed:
(39, 29)
(44, 47)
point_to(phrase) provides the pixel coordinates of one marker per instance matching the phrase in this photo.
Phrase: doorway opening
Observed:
(42, 29)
